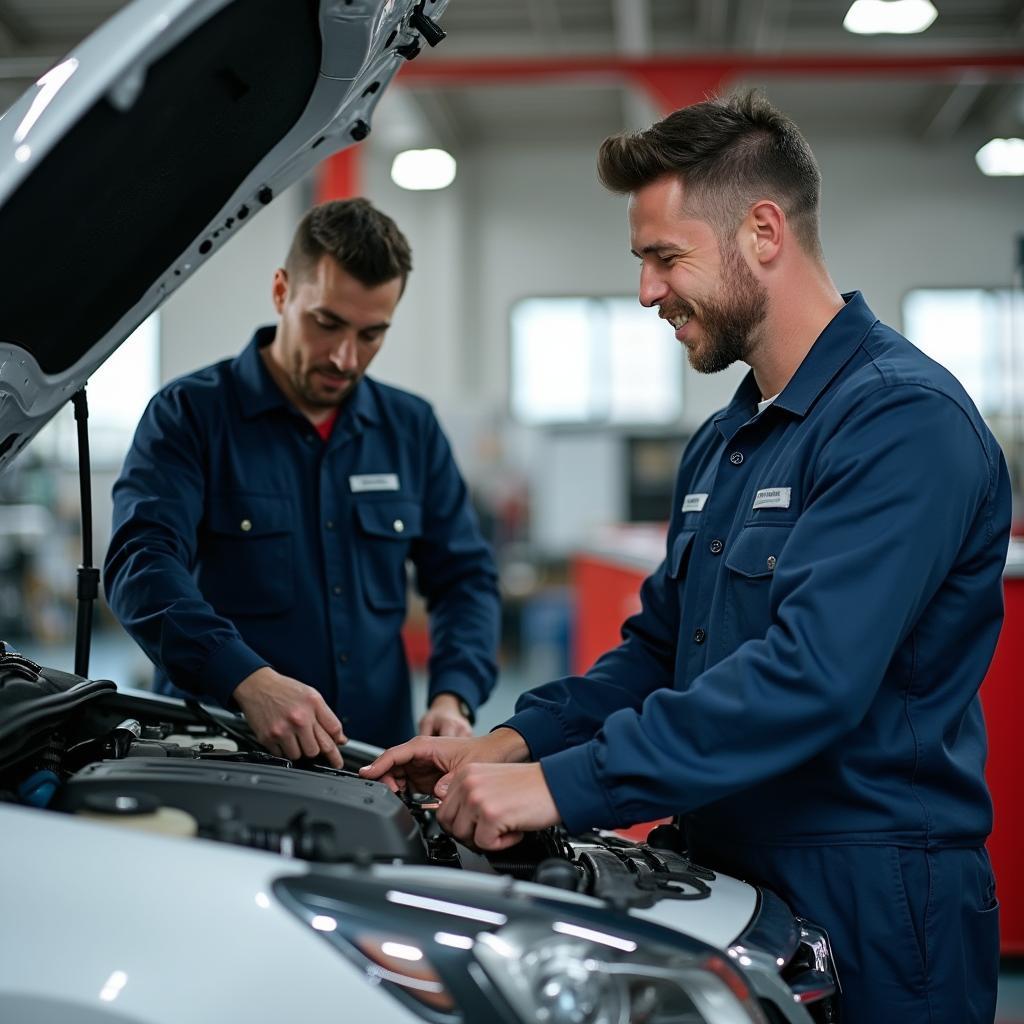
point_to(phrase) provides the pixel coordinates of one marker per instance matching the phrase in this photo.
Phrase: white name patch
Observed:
(373, 482)
(694, 502)
(772, 497)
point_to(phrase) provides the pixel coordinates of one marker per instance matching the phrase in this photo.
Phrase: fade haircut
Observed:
(365, 242)
(729, 152)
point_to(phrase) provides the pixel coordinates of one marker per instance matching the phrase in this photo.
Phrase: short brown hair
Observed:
(729, 152)
(365, 242)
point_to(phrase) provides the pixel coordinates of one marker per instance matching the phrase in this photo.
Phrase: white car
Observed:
(156, 865)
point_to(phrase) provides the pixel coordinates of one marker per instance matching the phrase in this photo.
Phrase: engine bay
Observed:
(139, 761)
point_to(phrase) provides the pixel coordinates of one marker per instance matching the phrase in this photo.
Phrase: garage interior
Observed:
(573, 490)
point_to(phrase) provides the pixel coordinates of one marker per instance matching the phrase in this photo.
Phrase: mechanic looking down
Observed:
(801, 684)
(269, 502)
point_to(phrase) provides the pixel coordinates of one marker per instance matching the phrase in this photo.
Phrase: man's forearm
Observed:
(505, 745)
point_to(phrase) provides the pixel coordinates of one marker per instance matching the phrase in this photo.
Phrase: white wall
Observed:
(905, 215)
(213, 314)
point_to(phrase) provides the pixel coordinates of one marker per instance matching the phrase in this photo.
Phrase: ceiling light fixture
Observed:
(423, 169)
(898, 17)
(1001, 158)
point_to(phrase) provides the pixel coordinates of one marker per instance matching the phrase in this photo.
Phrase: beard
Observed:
(729, 319)
(309, 386)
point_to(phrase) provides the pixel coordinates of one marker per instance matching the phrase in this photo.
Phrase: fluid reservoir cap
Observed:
(121, 803)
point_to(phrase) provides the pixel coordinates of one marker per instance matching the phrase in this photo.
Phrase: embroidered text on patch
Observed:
(373, 482)
(694, 502)
(772, 497)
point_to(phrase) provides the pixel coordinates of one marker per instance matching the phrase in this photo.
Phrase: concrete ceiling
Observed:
(35, 34)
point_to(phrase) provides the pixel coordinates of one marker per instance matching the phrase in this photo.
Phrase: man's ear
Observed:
(764, 230)
(279, 289)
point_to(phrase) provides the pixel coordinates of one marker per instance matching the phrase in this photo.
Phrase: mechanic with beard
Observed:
(801, 684)
(268, 504)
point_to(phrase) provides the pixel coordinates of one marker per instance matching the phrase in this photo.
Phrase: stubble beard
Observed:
(304, 383)
(731, 318)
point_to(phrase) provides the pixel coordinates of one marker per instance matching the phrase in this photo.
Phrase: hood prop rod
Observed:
(88, 575)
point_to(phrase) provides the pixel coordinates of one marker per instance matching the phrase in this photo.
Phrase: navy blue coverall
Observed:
(801, 683)
(241, 539)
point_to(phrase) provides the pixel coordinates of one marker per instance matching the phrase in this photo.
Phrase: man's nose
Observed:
(343, 356)
(652, 288)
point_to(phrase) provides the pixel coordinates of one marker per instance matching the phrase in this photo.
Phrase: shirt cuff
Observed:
(541, 730)
(577, 790)
(226, 668)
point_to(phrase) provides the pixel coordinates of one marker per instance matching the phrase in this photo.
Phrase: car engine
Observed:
(139, 761)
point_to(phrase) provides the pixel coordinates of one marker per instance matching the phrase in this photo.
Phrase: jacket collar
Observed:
(831, 350)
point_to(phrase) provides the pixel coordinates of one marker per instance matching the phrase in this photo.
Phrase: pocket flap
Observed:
(394, 520)
(250, 515)
(756, 550)
(677, 556)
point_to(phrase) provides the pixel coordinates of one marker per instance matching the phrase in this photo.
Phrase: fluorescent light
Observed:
(899, 17)
(1001, 157)
(323, 923)
(423, 169)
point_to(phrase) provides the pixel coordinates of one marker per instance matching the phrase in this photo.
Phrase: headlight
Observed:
(468, 953)
(563, 973)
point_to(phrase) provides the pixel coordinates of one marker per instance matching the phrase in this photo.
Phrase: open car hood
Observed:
(148, 147)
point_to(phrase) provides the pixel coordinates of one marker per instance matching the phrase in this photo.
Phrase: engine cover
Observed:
(356, 816)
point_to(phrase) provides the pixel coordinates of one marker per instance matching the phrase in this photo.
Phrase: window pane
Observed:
(646, 365)
(599, 361)
(118, 393)
(970, 331)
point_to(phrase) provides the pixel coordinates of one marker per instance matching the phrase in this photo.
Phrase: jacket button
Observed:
(329, 524)
(246, 525)
(699, 636)
(398, 525)
(343, 658)
(716, 547)
(771, 561)
(336, 590)
(736, 458)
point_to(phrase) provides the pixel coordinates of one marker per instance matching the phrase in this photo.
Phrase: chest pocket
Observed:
(679, 555)
(385, 530)
(751, 562)
(246, 558)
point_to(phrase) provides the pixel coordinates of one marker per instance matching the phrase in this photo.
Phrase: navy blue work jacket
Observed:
(806, 662)
(241, 539)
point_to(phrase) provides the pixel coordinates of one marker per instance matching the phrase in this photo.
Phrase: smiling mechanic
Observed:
(268, 504)
(802, 681)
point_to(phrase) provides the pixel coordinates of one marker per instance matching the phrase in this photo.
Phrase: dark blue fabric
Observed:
(814, 673)
(914, 932)
(801, 683)
(239, 540)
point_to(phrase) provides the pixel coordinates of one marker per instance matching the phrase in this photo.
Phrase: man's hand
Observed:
(490, 806)
(444, 717)
(288, 717)
(418, 766)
